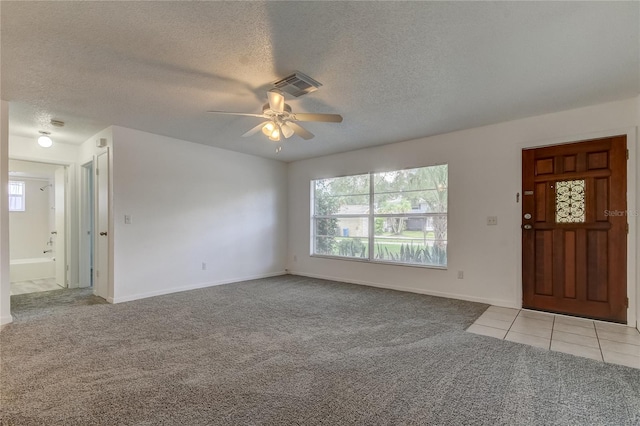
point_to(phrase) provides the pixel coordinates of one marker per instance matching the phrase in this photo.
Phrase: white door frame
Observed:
(633, 182)
(102, 243)
(87, 224)
(61, 237)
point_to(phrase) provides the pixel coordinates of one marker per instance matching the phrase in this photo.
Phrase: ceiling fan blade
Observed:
(276, 100)
(326, 118)
(300, 131)
(254, 130)
(238, 113)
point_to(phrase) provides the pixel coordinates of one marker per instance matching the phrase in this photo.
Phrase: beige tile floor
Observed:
(601, 341)
(34, 286)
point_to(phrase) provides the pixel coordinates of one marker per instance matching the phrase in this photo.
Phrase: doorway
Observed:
(37, 226)
(574, 229)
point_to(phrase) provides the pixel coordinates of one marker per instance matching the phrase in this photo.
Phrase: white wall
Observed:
(191, 204)
(484, 177)
(29, 230)
(5, 281)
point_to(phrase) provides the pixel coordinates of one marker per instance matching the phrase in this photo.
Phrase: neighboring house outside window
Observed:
(395, 217)
(16, 196)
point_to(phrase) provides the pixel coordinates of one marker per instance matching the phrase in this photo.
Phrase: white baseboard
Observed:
(190, 287)
(488, 301)
(6, 320)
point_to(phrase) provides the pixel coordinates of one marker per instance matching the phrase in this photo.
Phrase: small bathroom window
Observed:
(16, 196)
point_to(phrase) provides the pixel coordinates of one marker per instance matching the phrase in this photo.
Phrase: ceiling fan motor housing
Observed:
(266, 109)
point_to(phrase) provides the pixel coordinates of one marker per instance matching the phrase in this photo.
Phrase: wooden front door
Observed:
(574, 229)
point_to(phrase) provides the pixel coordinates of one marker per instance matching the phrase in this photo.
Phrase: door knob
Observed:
(527, 226)
(103, 234)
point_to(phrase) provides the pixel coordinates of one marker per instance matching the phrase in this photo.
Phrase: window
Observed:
(16, 196)
(395, 217)
(341, 216)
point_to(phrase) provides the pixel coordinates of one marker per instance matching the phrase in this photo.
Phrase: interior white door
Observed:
(60, 177)
(101, 263)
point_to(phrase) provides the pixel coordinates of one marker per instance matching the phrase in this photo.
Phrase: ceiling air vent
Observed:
(297, 84)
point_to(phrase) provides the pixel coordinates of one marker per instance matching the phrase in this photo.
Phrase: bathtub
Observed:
(32, 269)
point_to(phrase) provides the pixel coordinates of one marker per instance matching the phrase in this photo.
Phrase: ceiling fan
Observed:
(280, 120)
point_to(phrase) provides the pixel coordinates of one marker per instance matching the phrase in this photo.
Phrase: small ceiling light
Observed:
(44, 140)
(275, 135)
(269, 128)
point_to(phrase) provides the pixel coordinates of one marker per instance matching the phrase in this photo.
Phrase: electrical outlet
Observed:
(295, 258)
(204, 266)
(460, 275)
(492, 220)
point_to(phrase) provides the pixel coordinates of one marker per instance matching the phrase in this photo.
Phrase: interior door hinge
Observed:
(97, 172)
(97, 274)
(627, 154)
(627, 227)
(626, 302)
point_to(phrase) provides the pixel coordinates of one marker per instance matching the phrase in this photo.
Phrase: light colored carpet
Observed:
(292, 350)
(27, 307)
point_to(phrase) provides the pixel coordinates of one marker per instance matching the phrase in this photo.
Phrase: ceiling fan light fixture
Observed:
(268, 128)
(280, 121)
(275, 134)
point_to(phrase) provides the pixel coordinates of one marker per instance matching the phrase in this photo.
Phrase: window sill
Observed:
(380, 262)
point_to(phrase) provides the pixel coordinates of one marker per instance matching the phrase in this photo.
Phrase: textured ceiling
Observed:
(394, 70)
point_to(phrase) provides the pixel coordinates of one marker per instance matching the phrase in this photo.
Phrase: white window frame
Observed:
(21, 196)
(371, 217)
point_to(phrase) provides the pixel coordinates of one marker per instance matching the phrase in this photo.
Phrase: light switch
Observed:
(127, 219)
